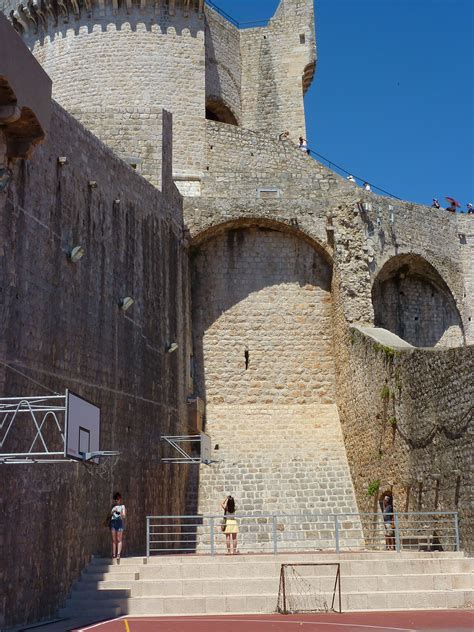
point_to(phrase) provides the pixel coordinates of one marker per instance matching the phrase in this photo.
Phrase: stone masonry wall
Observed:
(277, 68)
(407, 422)
(62, 328)
(262, 320)
(465, 225)
(223, 62)
(131, 62)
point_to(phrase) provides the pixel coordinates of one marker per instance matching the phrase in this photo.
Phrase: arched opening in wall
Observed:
(217, 110)
(262, 328)
(411, 299)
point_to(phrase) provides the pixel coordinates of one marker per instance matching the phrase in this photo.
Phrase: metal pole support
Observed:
(397, 533)
(148, 536)
(213, 536)
(456, 527)
(336, 532)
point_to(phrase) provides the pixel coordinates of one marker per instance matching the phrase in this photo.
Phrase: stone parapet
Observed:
(40, 15)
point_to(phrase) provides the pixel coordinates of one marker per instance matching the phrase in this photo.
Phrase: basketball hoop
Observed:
(104, 468)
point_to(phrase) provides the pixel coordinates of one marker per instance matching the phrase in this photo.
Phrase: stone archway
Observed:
(262, 318)
(217, 110)
(411, 299)
(262, 328)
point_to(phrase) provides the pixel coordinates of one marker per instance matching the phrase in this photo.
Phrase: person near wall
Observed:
(231, 528)
(303, 145)
(470, 209)
(435, 203)
(351, 178)
(367, 186)
(117, 525)
(284, 135)
(386, 507)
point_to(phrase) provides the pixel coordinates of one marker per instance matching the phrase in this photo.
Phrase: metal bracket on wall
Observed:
(177, 441)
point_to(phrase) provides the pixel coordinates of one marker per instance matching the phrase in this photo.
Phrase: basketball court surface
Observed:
(420, 621)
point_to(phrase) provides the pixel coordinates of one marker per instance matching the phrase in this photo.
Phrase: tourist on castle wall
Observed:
(117, 525)
(435, 203)
(386, 507)
(351, 178)
(230, 526)
(470, 209)
(303, 145)
(284, 135)
(367, 186)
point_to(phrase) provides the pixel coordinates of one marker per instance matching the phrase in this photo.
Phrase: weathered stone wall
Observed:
(62, 328)
(278, 64)
(223, 63)
(124, 64)
(465, 224)
(407, 422)
(262, 319)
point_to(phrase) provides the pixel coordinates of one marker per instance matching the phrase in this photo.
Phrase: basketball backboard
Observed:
(82, 428)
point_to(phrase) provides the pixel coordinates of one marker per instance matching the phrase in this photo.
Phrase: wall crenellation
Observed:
(38, 17)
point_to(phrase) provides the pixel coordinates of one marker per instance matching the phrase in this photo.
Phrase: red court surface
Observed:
(439, 621)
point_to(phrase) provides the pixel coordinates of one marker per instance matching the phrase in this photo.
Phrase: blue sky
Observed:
(392, 98)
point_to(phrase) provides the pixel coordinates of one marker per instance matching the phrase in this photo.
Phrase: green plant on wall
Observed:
(388, 351)
(373, 487)
(385, 393)
(393, 422)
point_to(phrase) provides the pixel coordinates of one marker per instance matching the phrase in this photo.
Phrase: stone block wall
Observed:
(262, 326)
(407, 422)
(223, 63)
(131, 62)
(62, 328)
(278, 64)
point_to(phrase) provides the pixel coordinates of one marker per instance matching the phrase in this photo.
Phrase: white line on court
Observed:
(162, 619)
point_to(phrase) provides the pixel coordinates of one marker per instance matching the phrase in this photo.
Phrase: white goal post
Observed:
(309, 587)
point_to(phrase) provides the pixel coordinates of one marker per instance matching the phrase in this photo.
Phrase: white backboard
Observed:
(82, 427)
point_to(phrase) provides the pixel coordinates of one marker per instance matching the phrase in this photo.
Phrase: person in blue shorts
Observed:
(117, 525)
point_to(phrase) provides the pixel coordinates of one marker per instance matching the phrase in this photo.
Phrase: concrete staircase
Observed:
(198, 585)
(286, 459)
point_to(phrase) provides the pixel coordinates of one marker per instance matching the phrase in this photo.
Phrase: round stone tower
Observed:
(115, 64)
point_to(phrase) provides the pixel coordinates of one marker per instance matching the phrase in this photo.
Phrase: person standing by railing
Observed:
(231, 527)
(386, 507)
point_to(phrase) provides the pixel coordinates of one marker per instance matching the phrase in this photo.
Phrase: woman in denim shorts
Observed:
(117, 518)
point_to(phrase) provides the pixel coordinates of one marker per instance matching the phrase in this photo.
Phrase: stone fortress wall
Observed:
(62, 328)
(286, 258)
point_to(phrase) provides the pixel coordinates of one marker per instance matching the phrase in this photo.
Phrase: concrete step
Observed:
(242, 586)
(272, 568)
(267, 603)
(308, 556)
(115, 596)
(94, 613)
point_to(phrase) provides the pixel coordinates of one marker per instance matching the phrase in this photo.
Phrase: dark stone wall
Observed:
(62, 328)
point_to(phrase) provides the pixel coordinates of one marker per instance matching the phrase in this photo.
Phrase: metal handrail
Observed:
(298, 532)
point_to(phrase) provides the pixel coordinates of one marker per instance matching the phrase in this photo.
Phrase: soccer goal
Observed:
(309, 587)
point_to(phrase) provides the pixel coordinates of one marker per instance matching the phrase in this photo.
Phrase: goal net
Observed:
(309, 587)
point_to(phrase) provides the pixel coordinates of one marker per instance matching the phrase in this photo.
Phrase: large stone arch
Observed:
(411, 299)
(262, 315)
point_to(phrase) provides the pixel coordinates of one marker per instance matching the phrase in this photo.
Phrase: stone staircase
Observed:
(199, 585)
(287, 459)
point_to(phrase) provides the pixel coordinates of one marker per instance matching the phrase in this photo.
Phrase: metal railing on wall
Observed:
(230, 19)
(279, 533)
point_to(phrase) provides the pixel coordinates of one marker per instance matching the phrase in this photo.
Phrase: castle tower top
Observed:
(38, 15)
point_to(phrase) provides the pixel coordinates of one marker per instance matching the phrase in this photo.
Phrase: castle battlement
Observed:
(35, 16)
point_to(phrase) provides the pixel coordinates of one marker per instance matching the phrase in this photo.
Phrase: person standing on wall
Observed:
(117, 525)
(231, 527)
(303, 145)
